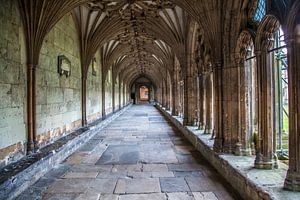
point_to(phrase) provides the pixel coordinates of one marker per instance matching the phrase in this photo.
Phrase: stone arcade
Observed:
(149, 99)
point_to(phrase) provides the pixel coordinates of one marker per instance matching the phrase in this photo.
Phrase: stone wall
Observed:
(94, 99)
(58, 96)
(12, 84)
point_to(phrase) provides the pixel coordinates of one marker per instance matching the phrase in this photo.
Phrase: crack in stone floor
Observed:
(139, 156)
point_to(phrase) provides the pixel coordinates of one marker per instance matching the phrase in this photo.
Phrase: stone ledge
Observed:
(251, 183)
(16, 177)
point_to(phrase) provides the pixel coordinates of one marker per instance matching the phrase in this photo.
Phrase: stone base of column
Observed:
(174, 113)
(31, 147)
(265, 163)
(208, 131)
(242, 151)
(201, 126)
(218, 145)
(292, 181)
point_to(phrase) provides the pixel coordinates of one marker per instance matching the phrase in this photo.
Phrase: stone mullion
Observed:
(292, 181)
(208, 129)
(264, 151)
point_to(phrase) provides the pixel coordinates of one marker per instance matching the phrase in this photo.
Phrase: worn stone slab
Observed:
(180, 196)
(106, 186)
(109, 197)
(204, 196)
(127, 168)
(120, 154)
(184, 167)
(162, 174)
(203, 184)
(61, 196)
(91, 168)
(69, 186)
(188, 174)
(88, 196)
(155, 196)
(135, 186)
(155, 168)
(113, 175)
(173, 185)
(80, 175)
(140, 174)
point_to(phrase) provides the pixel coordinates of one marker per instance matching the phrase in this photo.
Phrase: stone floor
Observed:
(139, 156)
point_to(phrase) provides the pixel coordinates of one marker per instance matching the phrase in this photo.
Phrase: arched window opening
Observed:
(260, 11)
(278, 56)
(144, 93)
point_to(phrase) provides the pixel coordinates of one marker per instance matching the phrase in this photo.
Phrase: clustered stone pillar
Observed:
(31, 109)
(201, 101)
(218, 112)
(292, 181)
(243, 144)
(167, 93)
(264, 143)
(120, 95)
(174, 97)
(83, 96)
(208, 129)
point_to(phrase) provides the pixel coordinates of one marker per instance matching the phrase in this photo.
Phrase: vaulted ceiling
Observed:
(141, 37)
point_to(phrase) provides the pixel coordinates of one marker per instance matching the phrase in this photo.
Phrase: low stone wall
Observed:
(251, 183)
(16, 177)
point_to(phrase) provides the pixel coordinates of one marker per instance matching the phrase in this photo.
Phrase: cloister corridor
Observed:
(139, 156)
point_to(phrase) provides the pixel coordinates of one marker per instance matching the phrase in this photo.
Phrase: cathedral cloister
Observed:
(150, 99)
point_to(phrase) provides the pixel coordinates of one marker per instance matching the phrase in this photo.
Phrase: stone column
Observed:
(243, 144)
(218, 112)
(103, 96)
(189, 100)
(120, 94)
(124, 95)
(264, 143)
(200, 101)
(292, 181)
(167, 93)
(31, 109)
(174, 98)
(208, 129)
(83, 98)
(113, 94)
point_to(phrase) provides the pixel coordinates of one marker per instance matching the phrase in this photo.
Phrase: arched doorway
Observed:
(144, 93)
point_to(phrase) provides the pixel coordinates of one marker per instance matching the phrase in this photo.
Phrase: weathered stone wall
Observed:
(108, 93)
(58, 97)
(94, 99)
(12, 83)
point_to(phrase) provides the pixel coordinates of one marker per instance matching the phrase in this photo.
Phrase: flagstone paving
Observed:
(138, 156)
